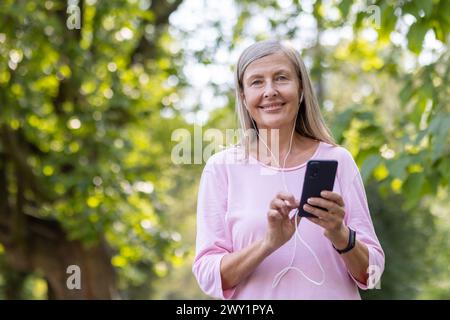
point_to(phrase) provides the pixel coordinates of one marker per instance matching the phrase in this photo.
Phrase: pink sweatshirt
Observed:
(233, 202)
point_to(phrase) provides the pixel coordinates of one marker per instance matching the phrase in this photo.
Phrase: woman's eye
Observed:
(256, 82)
(282, 78)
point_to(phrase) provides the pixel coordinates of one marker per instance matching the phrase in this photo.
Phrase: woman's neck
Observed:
(275, 145)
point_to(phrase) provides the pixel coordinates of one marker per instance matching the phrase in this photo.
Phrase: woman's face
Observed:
(271, 91)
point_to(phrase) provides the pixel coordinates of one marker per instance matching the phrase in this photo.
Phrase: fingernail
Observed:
(310, 200)
(305, 206)
(324, 193)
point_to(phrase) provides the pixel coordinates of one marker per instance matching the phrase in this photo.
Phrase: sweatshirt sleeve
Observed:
(358, 219)
(213, 236)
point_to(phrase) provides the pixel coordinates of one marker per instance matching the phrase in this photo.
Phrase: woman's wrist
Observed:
(266, 247)
(339, 238)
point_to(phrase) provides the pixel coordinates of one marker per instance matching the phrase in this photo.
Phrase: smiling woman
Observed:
(275, 92)
(247, 228)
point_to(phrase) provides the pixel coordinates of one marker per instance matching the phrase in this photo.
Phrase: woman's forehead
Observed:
(274, 63)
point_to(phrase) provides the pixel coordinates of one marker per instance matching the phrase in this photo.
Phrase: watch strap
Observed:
(351, 242)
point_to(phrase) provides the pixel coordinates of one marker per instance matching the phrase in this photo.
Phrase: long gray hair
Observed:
(310, 122)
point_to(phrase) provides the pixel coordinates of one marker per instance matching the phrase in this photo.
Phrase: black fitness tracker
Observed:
(351, 242)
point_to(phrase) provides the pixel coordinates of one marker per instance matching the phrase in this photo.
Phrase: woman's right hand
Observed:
(280, 226)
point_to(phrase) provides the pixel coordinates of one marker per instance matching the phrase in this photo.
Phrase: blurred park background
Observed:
(87, 114)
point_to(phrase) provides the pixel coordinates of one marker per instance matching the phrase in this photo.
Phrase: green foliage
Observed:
(89, 119)
(404, 272)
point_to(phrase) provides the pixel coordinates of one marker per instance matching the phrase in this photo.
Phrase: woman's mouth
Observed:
(272, 107)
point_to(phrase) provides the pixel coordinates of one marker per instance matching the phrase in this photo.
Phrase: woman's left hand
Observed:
(333, 219)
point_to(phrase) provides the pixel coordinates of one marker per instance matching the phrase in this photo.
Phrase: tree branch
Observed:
(18, 153)
(145, 48)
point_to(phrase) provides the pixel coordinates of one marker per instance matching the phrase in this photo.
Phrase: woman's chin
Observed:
(273, 123)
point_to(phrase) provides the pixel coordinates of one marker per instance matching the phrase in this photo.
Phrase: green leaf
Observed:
(341, 124)
(416, 35)
(444, 169)
(427, 7)
(369, 165)
(388, 21)
(412, 189)
(441, 140)
(398, 167)
(418, 110)
(406, 92)
(344, 6)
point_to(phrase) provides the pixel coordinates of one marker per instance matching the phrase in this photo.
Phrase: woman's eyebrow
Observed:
(282, 71)
(258, 75)
(254, 75)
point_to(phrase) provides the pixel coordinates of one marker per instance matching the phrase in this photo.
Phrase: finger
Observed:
(296, 203)
(280, 205)
(331, 206)
(274, 215)
(326, 204)
(290, 206)
(287, 196)
(318, 222)
(276, 203)
(333, 196)
(321, 214)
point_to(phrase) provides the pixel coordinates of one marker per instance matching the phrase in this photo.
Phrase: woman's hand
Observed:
(280, 226)
(332, 220)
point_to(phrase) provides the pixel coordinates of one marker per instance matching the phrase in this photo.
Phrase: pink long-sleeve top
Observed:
(233, 201)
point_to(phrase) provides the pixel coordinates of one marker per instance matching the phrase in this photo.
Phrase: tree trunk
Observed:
(13, 283)
(34, 244)
(48, 250)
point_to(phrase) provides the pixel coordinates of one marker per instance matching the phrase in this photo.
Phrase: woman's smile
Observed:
(272, 107)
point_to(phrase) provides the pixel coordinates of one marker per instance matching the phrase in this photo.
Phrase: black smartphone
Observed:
(319, 176)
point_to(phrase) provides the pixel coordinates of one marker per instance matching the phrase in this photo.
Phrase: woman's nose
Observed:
(270, 91)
